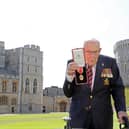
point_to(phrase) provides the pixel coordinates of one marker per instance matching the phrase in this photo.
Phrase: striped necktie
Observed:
(89, 74)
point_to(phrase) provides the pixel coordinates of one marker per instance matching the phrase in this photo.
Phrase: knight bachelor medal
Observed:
(81, 77)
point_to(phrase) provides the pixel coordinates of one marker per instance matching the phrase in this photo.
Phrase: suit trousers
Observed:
(87, 119)
(90, 123)
(83, 122)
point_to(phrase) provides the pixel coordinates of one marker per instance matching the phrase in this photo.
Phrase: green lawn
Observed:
(32, 121)
(127, 96)
(36, 121)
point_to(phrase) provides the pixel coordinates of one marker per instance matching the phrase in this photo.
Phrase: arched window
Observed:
(35, 86)
(14, 87)
(4, 86)
(27, 86)
(28, 68)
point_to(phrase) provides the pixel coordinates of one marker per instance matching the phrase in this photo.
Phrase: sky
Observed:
(58, 26)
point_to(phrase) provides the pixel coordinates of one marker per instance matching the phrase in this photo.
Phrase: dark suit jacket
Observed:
(96, 104)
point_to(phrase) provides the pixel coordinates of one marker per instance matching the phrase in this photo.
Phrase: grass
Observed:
(32, 121)
(37, 121)
(127, 95)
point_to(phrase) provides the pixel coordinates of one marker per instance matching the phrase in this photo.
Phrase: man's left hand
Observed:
(122, 114)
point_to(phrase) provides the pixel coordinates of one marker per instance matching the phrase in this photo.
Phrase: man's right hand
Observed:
(72, 67)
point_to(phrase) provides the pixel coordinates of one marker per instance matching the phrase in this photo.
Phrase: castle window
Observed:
(3, 100)
(28, 59)
(125, 67)
(35, 86)
(4, 86)
(14, 87)
(35, 60)
(28, 68)
(35, 69)
(27, 86)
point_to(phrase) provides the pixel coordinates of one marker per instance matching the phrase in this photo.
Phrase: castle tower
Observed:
(30, 79)
(121, 51)
(2, 55)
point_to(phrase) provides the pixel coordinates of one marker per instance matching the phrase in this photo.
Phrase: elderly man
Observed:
(91, 102)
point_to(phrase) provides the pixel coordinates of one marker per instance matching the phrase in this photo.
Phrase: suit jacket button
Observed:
(89, 107)
(91, 96)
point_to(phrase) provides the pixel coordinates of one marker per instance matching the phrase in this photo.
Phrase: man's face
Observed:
(91, 52)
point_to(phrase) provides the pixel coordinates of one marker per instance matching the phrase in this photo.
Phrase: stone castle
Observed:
(21, 82)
